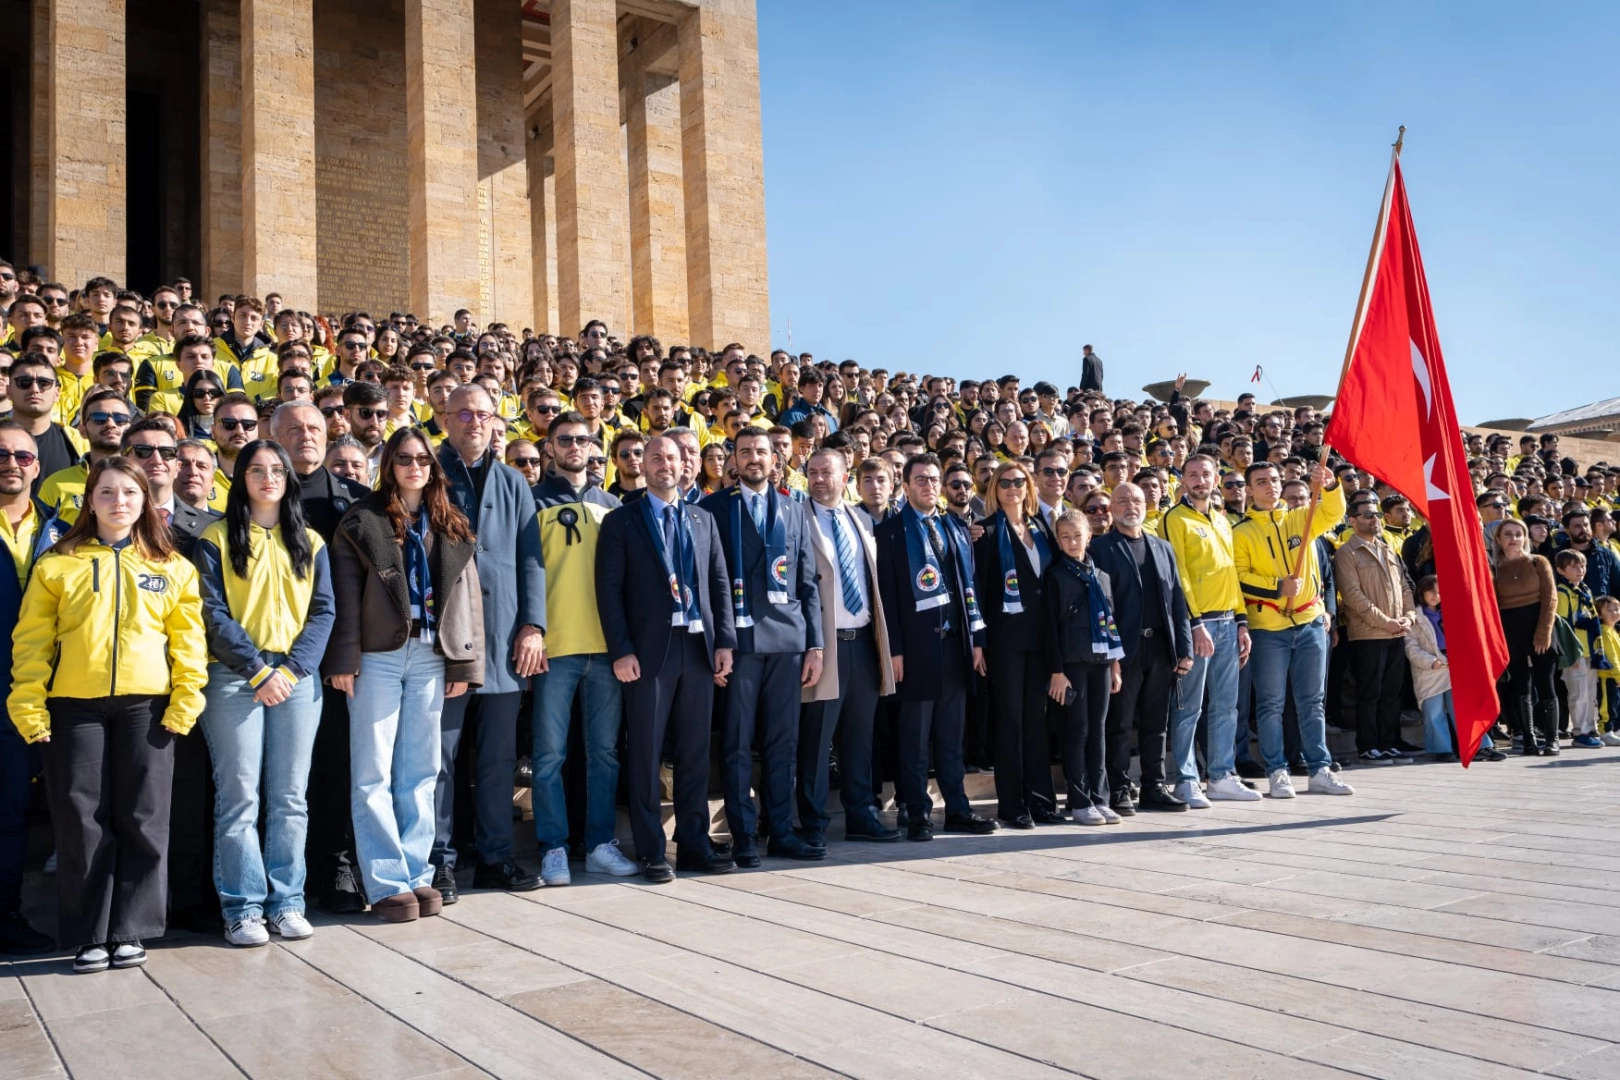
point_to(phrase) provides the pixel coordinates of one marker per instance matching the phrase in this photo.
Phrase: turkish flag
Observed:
(1394, 418)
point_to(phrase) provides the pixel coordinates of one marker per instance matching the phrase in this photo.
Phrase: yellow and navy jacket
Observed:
(271, 620)
(255, 365)
(570, 522)
(71, 393)
(1266, 547)
(1203, 547)
(1576, 607)
(63, 490)
(111, 621)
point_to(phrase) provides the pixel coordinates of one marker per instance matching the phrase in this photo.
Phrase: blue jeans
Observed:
(394, 762)
(1300, 652)
(1439, 720)
(260, 754)
(1220, 671)
(602, 707)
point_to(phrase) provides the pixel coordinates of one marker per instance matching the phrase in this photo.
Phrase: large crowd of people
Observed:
(299, 600)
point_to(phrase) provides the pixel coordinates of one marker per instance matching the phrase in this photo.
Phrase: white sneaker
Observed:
(1281, 786)
(608, 859)
(1231, 789)
(1190, 793)
(291, 925)
(1323, 782)
(1108, 815)
(247, 932)
(554, 867)
(1611, 739)
(1088, 815)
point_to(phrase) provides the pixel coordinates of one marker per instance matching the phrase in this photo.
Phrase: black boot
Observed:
(1546, 713)
(1518, 711)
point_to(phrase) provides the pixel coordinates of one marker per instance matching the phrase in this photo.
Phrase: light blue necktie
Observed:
(756, 510)
(847, 568)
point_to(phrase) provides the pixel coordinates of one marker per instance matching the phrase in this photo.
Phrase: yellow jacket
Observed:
(110, 622)
(1203, 547)
(1265, 548)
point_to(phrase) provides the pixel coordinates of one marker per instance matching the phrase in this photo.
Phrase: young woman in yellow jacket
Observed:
(109, 665)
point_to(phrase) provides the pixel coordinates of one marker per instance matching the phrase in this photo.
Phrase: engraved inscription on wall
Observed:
(363, 219)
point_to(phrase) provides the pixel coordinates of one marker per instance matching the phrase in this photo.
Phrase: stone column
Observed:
(543, 222)
(506, 261)
(221, 185)
(724, 176)
(657, 210)
(441, 101)
(278, 150)
(593, 228)
(80, 224)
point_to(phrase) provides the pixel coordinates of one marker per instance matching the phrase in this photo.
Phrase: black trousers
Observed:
(1380, 665)
(330, 843)
(18, 764)
(109, 770)
(493, 719)
(1143, 706)
(677, 700)
(191, 829)
(1085, 743)
(848, 717)
(762, 695)
(942, 718)
(1018, 682)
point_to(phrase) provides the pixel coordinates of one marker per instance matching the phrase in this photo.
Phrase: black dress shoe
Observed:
(704, 863)
(1022, 821)
(1490, 754)
(345, 897)
(657, 871)
(870, 829)
(902, 817)
(17, 938)
(920, 830)
(791, 847)
(1045, 816)
(508, 874)
(815, 838)
(444, 880)
(1160, 797)
(746, 858)
(1248, 770)
(1123, 805)
(970, 823)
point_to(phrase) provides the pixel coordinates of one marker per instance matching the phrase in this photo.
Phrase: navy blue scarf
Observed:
(680, 566)
(1105, 641)
(776, 559)
(418, 576)
(928, 586)
(1011, 603)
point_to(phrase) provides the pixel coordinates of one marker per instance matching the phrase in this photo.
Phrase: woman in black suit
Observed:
(1011, 558)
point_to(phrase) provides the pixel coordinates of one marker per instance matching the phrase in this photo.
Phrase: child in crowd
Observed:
(1580, 683)
(1431, 678)
(1608, 668)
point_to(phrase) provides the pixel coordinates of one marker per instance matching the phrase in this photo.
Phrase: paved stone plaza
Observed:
(1441, 925)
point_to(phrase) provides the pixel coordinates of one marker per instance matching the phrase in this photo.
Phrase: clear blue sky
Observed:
(975, 188)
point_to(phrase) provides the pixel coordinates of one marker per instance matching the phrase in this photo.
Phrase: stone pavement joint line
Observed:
(1442, 923)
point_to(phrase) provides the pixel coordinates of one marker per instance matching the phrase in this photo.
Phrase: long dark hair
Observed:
(444, 518)
(150, 535)
(187, 409)
(239, 514)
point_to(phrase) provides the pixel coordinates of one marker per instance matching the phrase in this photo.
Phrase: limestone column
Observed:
(657, 210)
(593, 226)
(441, 102)
(507, 261)
(80, 214)
(543, 223)
(724, 176)
(278, 150)
(221, 185)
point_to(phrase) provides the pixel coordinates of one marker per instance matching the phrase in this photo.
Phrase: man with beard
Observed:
(365, 406)
(103, 417)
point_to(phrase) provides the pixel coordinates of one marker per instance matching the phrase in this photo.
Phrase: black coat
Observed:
(1019, 632)
(1113, 557)
(914, 634)
(778, 628)
(1066, 618)
(186, 523)
(631, 587)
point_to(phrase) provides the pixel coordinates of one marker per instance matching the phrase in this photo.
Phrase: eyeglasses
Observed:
(475, 416)
(575, 440)
(330, 411)
(167, 453)
(117, 418)
(23, 458)
(207, 392)
(1054, 470)
(405, 461)
(370, 414)
(33, 382)
(1007, 483)
(267, 472)
(632, 452)
(231, 423)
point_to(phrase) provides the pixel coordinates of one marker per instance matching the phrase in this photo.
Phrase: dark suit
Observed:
(677, 668)
(764, 684)
(1152, 646)
(1018, 674)
(937, 670)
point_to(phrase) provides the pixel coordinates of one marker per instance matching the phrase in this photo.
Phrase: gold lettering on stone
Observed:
(362, 220)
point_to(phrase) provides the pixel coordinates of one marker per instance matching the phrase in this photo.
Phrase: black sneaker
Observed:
(17, 938)
(91, 959)
(128, 954)
(1374, 757)
(1397, 756)
(345, 897)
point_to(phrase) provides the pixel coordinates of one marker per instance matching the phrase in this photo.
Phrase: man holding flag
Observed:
(1394, 418)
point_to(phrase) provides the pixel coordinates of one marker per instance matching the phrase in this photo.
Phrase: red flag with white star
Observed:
(1394, 417)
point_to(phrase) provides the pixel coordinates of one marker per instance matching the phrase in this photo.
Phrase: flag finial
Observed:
(1400, 137)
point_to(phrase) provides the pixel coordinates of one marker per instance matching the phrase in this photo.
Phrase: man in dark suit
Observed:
(936, 639)
(765, 538)
(669, 654)
(1156, 633)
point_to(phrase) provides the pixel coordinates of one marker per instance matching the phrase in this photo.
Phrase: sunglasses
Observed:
(1095, 510)
(167, 453)
(107, 417)
(370, 414)
(1369, 514)
(33, 382)
(632, 452)
(960, 485)
(231, 423)
(1232, 485)
(527, 461)
(205, 392)
(55, 301)
(405, 461)
(574, 440)
(331, 410)
(546, 410)
(423, 366)
(23, 458)
(596, 462)
(1054, 470)
(1007, 483)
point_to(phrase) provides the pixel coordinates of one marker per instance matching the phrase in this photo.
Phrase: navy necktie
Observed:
(847, 567)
